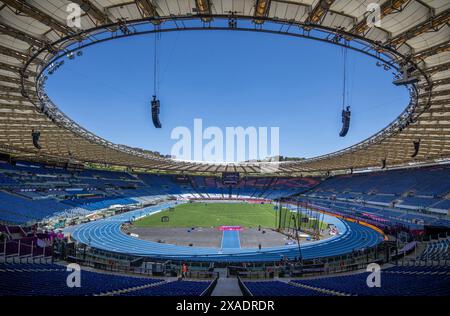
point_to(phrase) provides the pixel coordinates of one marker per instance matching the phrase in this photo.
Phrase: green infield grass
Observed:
(213, 215)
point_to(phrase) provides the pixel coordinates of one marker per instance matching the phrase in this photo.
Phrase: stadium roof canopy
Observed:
(35, 36)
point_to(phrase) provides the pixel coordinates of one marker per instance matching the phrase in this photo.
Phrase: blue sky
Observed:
(226, 79)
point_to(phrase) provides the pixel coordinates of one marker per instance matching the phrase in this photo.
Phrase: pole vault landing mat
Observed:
(223, 228)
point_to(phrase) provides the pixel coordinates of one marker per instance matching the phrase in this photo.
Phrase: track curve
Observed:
(107, 235)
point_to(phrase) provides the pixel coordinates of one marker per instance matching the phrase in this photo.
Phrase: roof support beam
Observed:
(8, 97)
(93, 12)
(262, 8)
(15, 69)
(319, 11)
(204, 8)
(38, 15)
(9, 89)
(440, 48)
(17, 55)
(433, 23)
(9, 79)
(436, 83)
(438, 68)
(147, 7)
(439, 102)
(24, 37)
(13, 53)
(437, 93)
(386, 8)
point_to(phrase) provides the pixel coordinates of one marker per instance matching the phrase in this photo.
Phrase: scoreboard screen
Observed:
(230, 178)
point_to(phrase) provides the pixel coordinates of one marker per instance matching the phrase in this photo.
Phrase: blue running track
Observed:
(230, 239)
(106, 234)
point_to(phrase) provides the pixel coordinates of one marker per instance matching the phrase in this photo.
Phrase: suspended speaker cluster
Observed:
(36, 135)
(155, 104)
(416, 145)
(155, 112)
(345, 121)
(345, 108)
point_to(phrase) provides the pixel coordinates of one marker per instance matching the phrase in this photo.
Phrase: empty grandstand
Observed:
(72, 202)
(100, 203)
(49, 280)
(399, 281)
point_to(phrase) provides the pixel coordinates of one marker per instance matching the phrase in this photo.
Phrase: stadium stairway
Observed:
(131, 289)
(227, 287)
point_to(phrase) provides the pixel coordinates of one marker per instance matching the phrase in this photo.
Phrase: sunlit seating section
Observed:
(409, 188)
(399, 281)
(51, 280)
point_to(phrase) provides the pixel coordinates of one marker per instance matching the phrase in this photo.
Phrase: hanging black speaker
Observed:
(36, 135)
(155, 112)
(345, 121)
(416, 144)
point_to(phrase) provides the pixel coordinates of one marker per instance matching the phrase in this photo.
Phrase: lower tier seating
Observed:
(400, 281)
(278, 288)
(396, 281)
(51, 280)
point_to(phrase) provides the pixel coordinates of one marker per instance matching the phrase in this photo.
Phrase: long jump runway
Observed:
(230, 239)
(107, 235)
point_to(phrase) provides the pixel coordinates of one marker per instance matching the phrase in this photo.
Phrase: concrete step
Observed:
(227, 287)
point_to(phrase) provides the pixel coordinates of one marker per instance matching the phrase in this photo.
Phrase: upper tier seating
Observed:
(30, 192)
(410, 188)
(33, 191)
(414, 201)
(431, 181)
(377, 215)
